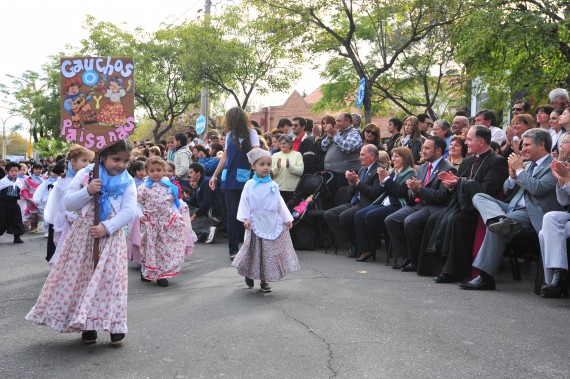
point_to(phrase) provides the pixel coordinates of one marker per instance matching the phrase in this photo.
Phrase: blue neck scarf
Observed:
(112, 186)
(166, 183)
(258, 180)
(51, 180)
(138, 181)
(70, 170)
(20, 176)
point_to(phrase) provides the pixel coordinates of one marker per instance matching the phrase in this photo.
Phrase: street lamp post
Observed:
(4, 135)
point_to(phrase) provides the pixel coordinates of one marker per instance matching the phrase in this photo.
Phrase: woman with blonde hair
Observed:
(519, 124)
(411, 137)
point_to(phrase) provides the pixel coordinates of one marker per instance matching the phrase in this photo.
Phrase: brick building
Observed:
(296, 105)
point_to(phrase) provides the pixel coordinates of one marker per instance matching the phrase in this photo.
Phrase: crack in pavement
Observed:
(312, 332)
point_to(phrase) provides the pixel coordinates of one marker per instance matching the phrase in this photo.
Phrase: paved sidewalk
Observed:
(333, 318)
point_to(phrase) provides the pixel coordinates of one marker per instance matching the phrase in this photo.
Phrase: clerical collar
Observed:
(482, 154)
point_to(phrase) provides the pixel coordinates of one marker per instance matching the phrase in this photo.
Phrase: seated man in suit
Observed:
(364, 189)
(207, 214)
(555, 231)
(447, 243)
(427, 195)
(530, 194)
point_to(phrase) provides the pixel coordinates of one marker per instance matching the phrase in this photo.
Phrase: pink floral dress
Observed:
(163, 235)
(76, 298)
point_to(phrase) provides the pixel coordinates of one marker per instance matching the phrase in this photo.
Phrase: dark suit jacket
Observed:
(488, 177)
(307, 150)
(369, 187)
(434, 193)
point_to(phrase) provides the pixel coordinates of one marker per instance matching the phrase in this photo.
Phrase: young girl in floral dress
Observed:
(191, 236)
(162, 226)
(267, 253)
(82, 293)
(78, 158)
(32, 214)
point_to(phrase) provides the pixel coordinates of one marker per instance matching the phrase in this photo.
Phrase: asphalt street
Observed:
(333, 318)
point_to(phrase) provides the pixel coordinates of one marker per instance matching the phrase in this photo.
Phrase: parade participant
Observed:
(138, 172)
(41, 193)
(82, 294)
(11, 215)
(56, 171)
(162, 249)
(32, 214)
(78, 158)
(267, 253)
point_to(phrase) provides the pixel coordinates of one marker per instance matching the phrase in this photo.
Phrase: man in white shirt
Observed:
(487, 118)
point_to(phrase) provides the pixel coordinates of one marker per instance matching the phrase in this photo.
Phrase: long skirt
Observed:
(75, 297)
(267, 260)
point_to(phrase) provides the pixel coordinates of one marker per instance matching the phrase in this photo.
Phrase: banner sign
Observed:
(360, 92)
(97, 100)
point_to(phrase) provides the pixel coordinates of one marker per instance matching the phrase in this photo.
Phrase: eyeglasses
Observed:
(515, 109)
(371, 132)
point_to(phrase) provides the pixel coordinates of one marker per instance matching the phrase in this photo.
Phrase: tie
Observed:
(426, 180)
(520, 191)
(356, 196)
(428, 175)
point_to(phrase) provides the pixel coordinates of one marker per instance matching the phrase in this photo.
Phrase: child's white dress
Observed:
(75, 297)
(267, 252)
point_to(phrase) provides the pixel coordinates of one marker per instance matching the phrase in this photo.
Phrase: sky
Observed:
(32, 30)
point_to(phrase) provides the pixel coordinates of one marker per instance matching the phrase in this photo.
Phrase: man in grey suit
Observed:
(428, 195)
(555, 230)
(364, 189)
(530, 194)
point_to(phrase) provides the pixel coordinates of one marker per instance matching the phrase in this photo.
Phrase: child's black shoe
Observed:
(249, 282)
(89, 336)
(265, 287)
(117, 338)
(162, 282)
(18, 240)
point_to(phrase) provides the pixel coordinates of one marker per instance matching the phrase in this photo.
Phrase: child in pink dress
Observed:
(32, 214)
(267, 253)
(163, 231)
(82, 294)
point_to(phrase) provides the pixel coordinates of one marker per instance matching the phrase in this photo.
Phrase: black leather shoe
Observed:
(504, 226)
(480, 283)
(410, 267)
(444, 278)
(162, 282)
(249, 282)
(399, 266)
(558, 286)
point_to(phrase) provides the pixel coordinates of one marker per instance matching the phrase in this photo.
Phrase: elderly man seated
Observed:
(530, 194)
(556, 228)
(364, 189)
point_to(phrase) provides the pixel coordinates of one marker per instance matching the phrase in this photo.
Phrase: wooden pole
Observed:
(96, 219)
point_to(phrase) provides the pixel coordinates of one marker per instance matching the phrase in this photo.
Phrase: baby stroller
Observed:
(308, 221)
